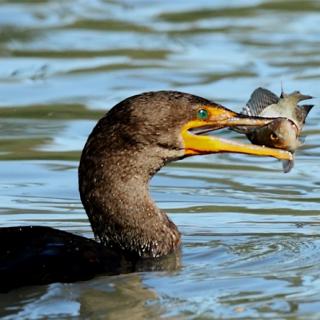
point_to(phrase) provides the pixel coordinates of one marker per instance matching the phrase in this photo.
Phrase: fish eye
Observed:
(203, 114)
(273, 136)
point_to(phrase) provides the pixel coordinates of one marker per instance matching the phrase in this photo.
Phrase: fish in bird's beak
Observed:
(213, 117)
(283, 132)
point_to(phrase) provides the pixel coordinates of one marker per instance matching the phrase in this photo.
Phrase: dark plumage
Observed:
(37, 255)
(125, 149)
(114, 176)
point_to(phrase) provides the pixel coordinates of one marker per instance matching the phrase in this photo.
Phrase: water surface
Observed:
(251, 238)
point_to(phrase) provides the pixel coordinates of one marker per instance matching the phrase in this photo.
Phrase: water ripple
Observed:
(250, 232)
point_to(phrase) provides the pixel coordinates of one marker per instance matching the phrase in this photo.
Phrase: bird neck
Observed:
(114, 191)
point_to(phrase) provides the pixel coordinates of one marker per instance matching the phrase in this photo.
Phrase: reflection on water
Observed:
(250, 233)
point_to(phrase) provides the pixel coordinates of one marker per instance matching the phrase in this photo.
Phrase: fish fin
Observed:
(303, 111)
(302, 97)
(282, 91)
(259, 100)
(287, 165)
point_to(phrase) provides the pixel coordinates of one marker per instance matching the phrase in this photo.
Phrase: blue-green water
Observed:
(251, 239)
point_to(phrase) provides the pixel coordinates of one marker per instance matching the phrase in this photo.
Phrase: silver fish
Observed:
(283, 132)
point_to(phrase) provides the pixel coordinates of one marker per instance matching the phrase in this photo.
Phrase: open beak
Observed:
(220, 117)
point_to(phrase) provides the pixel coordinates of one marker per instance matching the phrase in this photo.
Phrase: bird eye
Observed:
(202, 114)
(273, 136)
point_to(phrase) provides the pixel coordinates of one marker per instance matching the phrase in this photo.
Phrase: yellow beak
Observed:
(220, 117)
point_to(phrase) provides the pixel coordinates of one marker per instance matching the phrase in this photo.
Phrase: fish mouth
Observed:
(196, 142)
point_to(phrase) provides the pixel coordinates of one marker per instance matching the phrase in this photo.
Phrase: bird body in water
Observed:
(125, 149)
(284, 131)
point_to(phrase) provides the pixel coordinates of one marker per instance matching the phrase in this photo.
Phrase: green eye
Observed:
(202, 114)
